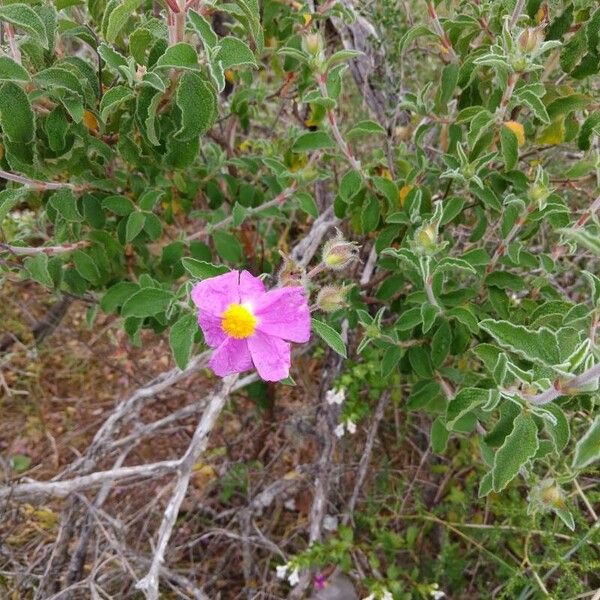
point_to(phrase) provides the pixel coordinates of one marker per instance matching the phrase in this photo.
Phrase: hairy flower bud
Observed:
(291, 273)
(312, 43)
(530, 40)
(332, 297)
(547, 495)
(338, 253)
(426, 237)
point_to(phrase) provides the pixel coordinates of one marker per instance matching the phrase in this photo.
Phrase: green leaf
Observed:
(391, 358)
(113, 98)
(330, 336)
(113, 59)
(228, 246)
(439, 436)
(179, 56)
(37, 266)
(147, 302)
(203, 29)
(365, 128)
(518, 447)
(12, 71)
(58, 78)
(135, 224)
(86, 267)
(583, 237)
(117, 294)
(16, 114)
(197, 102)
(181, 339)
(25, 18)
(590, 126)
(314, 140)
(20, 462)
(466, 401)
(120, 205)
(251, 20)
(446, 89)
(587, 449)
(307, 204)
(370, 214)
(201, 269)
(118, 18)
(440, 344)
(539, 346)
(510, 148)
(233, 52)
(65, 203)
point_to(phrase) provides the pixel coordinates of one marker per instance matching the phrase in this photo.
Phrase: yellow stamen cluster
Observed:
(238, 321)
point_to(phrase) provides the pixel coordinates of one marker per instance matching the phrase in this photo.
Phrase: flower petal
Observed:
(251, 288)
(232, 356)
(215, 294)
(270, 355)
(211, 328)
(284, 313)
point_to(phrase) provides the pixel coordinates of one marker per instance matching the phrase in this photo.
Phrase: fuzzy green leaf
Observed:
(330, 336)
(147, 302)
(12, 71)
(25, 18)
(197, 102)
(518, 447)
(181, 339)
(587, 449)
(16, 114)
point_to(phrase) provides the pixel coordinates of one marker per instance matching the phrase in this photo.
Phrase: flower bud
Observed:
(291, 274)
(312, 43)
(338, 253)
(547, 495)
(426, 237)
(331, 297)
(538, 193)
(530, 39)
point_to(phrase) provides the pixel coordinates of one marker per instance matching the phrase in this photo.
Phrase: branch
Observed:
(366, 456)
(516, 13)
(149, 584)
(42, 185)
(277, 201)
(64, 488)
(563, 388)
(48, 250)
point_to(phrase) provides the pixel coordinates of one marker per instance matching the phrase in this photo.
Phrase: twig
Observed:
(562, 388)
(437, 26)
(42, 185)
(48, 250)
(277, 201)
(516, 13)
(14, 49)
(149, 584)
(63, 488)
(365, 459)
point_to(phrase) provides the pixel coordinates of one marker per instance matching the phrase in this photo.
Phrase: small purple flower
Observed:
(249, 326)
(320, 581)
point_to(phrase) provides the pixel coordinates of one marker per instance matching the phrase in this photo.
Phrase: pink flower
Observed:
(248, 325)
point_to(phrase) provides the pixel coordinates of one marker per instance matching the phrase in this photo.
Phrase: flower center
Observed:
(238, 321)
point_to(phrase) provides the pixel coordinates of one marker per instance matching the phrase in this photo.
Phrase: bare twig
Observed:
(48, 250)
(366, 455)
(42, 185)
(149, 584)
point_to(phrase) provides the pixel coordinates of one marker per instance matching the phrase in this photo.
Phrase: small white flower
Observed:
(294, 577)
(370, 597)
(351, 427)
(437, 595)
(387, 595)
(339, 430)
(330, 523)
(281, 571)
(335, 396)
